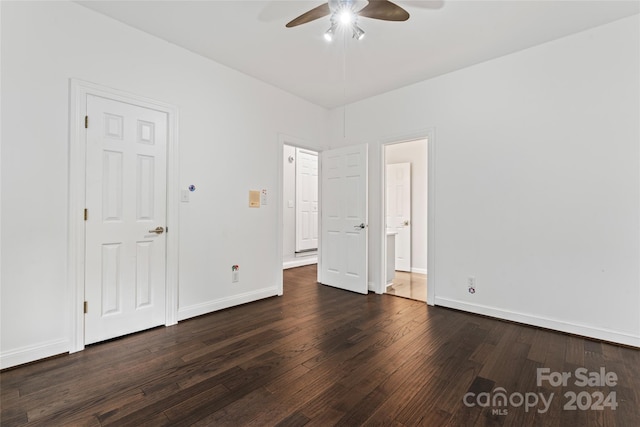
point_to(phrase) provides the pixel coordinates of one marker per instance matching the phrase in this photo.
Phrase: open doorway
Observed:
(406, 218)
(300, 206)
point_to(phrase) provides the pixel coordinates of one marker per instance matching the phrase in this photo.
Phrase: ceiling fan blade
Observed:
(384, 10)
(312, 15)
(424, 4)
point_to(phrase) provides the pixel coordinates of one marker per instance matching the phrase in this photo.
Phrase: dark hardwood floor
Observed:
(319, 356)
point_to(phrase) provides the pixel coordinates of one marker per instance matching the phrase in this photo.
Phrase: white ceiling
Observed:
(441, 36)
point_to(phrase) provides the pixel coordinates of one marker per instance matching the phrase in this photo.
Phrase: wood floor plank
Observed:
(319, 356)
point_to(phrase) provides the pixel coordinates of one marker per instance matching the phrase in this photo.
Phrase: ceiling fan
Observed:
(346, 12)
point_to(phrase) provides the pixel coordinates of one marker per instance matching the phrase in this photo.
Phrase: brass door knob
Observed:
(158, 230)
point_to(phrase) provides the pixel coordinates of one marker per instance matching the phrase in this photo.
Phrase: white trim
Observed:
(431, 217)
(543, 322)
(222, 303)
(78, 106)
(430, 135)
(280, 217)
(419, 270)
(313, 252)
(30, 353)
(310, 260)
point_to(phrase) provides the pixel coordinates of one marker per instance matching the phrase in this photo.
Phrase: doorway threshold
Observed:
(300, 261)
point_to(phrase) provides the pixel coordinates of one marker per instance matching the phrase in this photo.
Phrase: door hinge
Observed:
(166, 230)
(86, 214)
(86, 122)
(86, 307)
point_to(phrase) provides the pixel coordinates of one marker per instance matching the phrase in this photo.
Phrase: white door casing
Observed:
(428, 134)
(126, 167)
(398, 211)
(344, 232)
(306, 200)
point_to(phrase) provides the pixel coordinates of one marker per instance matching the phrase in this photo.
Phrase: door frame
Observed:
(284, 139)
(430, 136)
(79, 90)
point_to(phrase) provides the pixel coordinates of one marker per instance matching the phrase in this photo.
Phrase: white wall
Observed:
(536, 180)
(415, 152)
(228, 135)
(537, 172)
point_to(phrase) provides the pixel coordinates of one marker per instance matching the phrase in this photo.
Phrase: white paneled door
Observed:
(306, 200)
(343, 262)
(126, 218)
(398, 180)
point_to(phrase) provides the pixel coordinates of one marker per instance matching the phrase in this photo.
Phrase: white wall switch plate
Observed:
(184, 196)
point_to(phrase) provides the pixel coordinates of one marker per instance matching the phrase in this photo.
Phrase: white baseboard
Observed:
(419, 270)
(306, 253)
(222, 303)
(558, 325)
(32, 353)
(300, 262)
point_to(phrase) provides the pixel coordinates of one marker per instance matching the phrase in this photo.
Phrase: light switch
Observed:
(184, 196)
(291, 204)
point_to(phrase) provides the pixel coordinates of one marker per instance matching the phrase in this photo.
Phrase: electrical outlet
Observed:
(235, 276)
(471, 283)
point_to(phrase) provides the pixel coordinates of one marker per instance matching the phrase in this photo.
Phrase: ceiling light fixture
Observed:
(358, 33)
(346, 18)
(328, 35)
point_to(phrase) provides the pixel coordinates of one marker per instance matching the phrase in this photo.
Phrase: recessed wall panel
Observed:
(146, 132)
(353, 249)
(399, 201)
(353, 160)
(111, 278)
(113, 126)
(333, 251)
(304, 216)
(145, 187)
(143, 274)
(353, 204)
(333, 166)
(306, 188)
(112, 170)
(332, 206)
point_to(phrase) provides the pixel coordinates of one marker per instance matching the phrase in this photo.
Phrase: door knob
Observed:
(158, 230)
(406, 222)
(361, 226)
